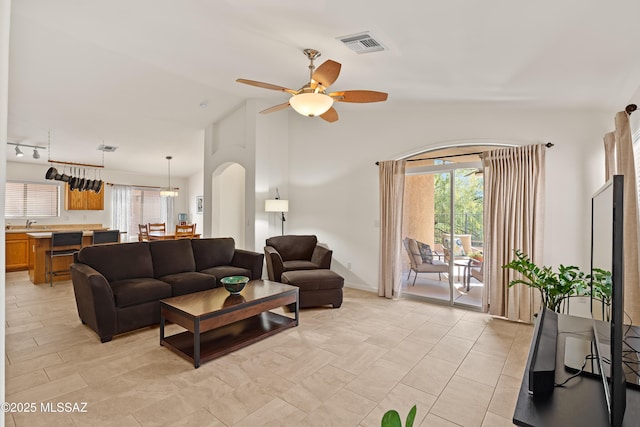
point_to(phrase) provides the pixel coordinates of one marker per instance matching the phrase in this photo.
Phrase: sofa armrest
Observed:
(252, 261)
(275, 266)
(322, 257)
(95, 300)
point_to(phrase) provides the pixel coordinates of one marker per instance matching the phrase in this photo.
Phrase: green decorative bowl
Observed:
(234, 284)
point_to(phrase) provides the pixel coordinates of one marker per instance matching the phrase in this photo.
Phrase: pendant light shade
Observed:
(169, 191)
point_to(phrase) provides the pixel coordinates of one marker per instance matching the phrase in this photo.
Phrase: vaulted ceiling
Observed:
(134, 73)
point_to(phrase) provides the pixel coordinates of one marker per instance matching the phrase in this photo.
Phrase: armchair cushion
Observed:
(294, 247)
(414, 251)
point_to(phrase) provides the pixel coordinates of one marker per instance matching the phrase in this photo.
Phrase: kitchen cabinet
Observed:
(83, 200)
(16, 251)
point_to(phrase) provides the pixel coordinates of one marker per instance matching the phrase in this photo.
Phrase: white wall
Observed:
(195, 186)
(260, 145)
(333, 182)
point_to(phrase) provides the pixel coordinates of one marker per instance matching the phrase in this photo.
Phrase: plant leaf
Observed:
(391, 419)
(411, 417)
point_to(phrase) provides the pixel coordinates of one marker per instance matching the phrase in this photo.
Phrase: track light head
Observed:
(36, 155)
(18, 152)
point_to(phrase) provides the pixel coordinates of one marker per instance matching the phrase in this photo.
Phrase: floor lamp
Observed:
(277, 205)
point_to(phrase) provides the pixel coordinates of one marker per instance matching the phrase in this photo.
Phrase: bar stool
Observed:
(105, 236)
(63, 244)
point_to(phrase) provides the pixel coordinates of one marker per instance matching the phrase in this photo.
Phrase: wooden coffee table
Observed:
(218, 322)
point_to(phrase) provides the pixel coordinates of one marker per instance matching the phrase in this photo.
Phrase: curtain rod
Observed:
(630, 108)
(548, 145)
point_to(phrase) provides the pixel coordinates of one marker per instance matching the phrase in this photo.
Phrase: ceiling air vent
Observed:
(362, 43)
(107, 148)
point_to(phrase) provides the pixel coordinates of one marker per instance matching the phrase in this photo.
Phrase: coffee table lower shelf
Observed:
(228, 338)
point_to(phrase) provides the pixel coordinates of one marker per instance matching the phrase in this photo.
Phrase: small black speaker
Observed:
(542, 354)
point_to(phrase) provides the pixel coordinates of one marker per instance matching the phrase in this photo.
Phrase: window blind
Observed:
(31, 200)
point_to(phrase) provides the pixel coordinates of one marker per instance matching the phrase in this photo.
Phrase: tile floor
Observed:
(340, 367)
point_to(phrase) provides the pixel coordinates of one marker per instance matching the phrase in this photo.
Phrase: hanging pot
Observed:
(51, 173)
(74, 181)
(81, 182)
(65, 177)
(98, 186)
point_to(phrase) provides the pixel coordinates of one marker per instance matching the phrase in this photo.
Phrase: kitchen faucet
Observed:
(29, 222)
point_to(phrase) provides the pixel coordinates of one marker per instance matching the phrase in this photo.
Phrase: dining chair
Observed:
(185, 231)
(159, 226)
(101, 237)
(143, 233)
(63, 244)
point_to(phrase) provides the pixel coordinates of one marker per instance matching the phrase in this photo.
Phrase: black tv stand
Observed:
(581, 401)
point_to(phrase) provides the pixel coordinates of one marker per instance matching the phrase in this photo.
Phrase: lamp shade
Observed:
(276, 205)
(311, 104)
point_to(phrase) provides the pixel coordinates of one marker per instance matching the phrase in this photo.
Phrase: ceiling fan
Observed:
(312, 99)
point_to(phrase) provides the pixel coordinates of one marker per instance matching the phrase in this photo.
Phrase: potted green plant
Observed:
(554, 287)
(392, 418)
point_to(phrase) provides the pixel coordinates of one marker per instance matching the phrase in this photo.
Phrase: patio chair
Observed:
(420, 264)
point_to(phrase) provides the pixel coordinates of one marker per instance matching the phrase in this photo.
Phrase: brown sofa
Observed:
(118, 287)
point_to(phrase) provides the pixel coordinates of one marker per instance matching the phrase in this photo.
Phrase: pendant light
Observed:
(169, 191)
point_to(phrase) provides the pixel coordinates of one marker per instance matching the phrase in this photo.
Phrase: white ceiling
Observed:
(133, 73)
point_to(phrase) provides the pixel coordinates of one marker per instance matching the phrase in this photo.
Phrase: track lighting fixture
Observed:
(19, 153)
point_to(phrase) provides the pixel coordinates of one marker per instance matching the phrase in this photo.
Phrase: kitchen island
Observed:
(39, 244)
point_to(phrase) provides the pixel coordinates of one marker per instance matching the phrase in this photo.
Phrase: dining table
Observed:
(166, 235)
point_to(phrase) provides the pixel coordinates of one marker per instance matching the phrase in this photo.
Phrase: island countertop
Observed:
(47, 234)
(39, 244)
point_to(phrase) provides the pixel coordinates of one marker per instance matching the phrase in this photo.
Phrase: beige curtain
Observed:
(514, 214)
(391, 196)
(619, 161)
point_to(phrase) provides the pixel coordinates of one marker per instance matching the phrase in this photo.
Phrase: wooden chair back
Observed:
(185, 231)
(161, 226)
(143, 233)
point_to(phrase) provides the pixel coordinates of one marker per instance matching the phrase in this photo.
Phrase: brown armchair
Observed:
(291, 253)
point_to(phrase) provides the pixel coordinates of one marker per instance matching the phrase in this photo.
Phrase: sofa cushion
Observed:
(130, 292)
(189, 282)
(213, 252)
(299, 265)
(171, 257)
(119, 261)
(226, 271)
(308, 280)
(294, 247)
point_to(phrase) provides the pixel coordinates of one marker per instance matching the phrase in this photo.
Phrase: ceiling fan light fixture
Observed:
(311, 104)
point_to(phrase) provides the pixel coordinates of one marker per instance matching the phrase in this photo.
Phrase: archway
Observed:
(228, 202)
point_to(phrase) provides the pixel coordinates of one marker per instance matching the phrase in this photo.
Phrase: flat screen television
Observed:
(607, 254)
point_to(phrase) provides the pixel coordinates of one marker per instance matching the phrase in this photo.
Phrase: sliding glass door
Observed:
(443, 214)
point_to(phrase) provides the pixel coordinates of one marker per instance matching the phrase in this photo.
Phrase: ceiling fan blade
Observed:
(275, 108)
(267, 86)
(327, 73)
(359, 96)
(331, 115)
